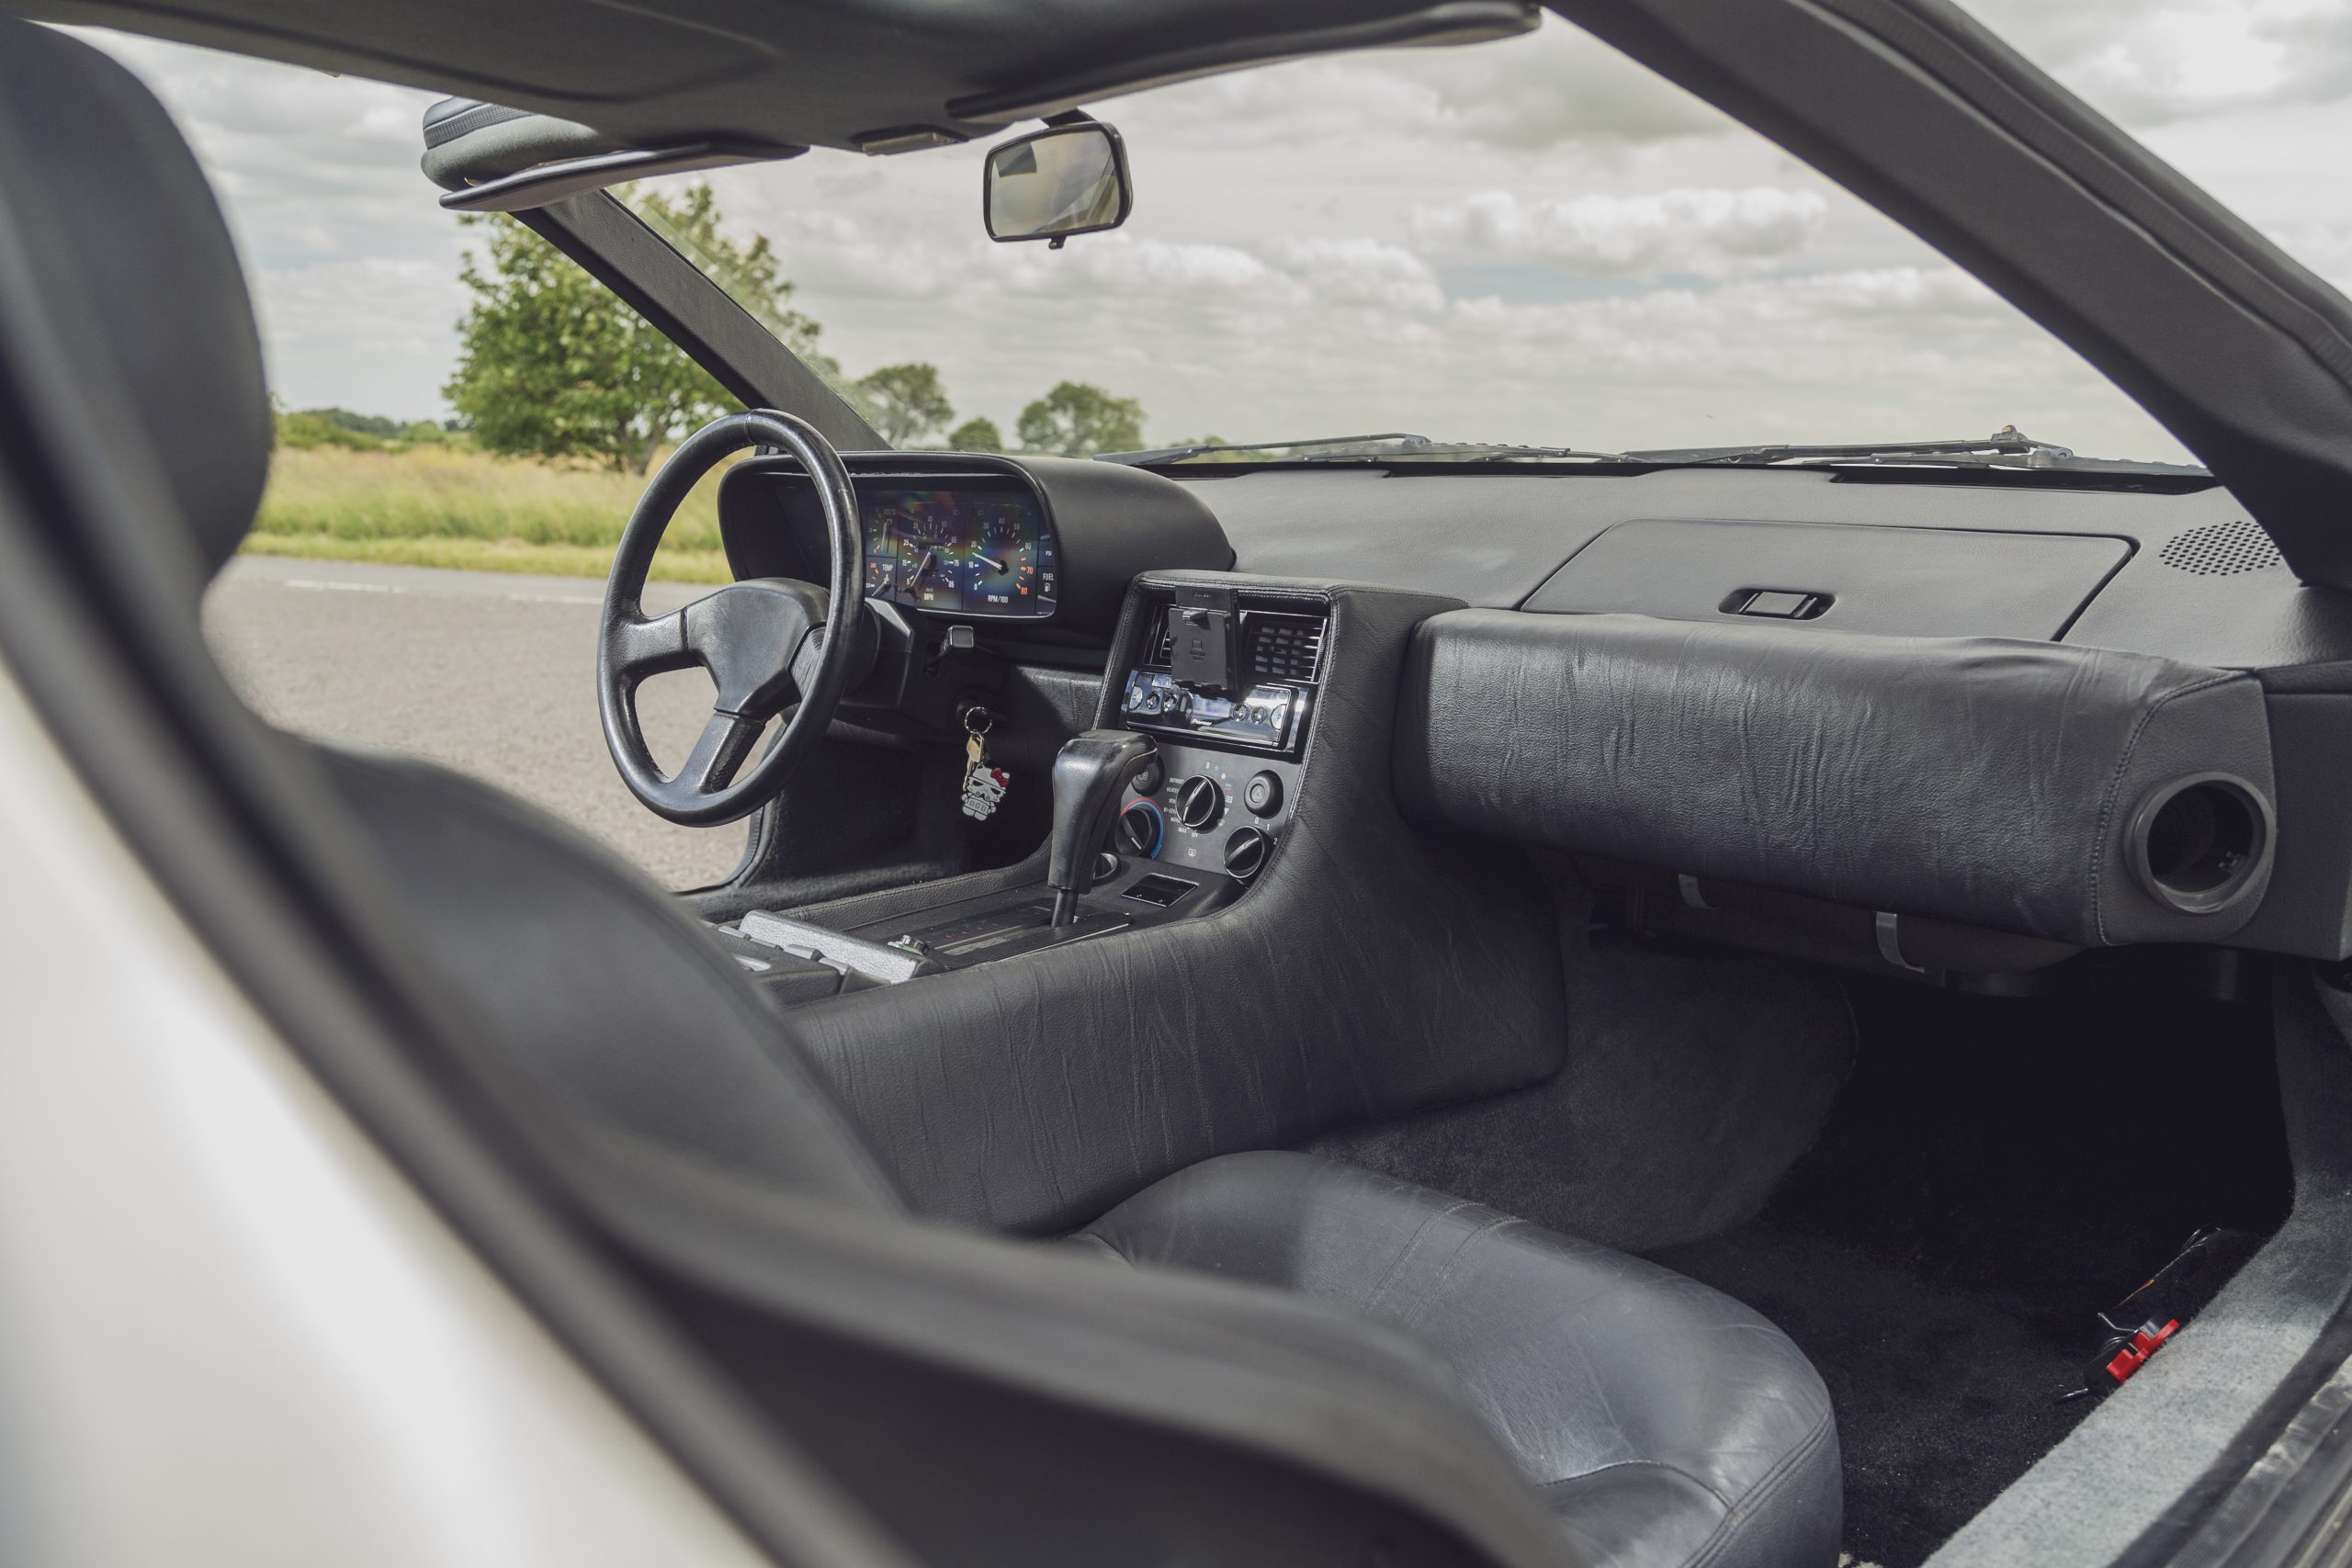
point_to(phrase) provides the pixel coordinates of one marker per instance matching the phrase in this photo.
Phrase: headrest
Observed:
(131, 262)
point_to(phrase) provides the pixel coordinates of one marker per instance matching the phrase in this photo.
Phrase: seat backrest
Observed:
(119, 232)
(988, 1402)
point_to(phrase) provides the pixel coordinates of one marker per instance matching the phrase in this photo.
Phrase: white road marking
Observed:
(324, 586)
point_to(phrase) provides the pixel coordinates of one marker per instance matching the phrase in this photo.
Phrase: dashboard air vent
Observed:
(1283, 647)
(2220, 550)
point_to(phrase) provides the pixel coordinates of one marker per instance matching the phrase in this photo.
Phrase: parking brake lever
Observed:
(1090, 775)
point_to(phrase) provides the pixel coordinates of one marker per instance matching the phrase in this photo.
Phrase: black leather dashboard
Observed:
(1990, 781)
(1897, 581)
(2108, 567)
(2198, 582)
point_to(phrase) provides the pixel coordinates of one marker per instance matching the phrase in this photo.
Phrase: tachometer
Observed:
(1001, 576)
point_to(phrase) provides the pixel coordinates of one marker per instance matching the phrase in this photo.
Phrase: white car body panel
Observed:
(231, 1333)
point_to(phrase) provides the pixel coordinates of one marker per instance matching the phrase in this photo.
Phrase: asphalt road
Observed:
(492, 673)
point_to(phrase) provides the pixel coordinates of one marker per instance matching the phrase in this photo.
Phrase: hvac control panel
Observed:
(1208, 810)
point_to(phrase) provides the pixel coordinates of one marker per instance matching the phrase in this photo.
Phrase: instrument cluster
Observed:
(960, 548)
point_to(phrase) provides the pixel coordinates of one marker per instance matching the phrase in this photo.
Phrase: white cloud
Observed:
(2153, 61)
(1360, 271)
(1122, 264)
(1556, 87)
(1707, 233)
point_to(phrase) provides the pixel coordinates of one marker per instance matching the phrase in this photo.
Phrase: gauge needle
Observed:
(996, 566)
(929, 559)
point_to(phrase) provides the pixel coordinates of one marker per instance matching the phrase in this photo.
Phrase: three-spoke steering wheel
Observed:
(767, 641)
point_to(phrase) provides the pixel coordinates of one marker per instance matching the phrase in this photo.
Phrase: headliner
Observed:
(791, 73)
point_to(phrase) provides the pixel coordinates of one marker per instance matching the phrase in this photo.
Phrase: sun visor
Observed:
(490, 158)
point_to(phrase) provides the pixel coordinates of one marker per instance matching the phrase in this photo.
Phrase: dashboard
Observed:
(1620, 616)
(974, 548)
(2140, 623)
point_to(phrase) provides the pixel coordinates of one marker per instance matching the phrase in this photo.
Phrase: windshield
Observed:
(1535, 242)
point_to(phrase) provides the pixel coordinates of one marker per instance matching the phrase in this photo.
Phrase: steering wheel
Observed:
(766, 640)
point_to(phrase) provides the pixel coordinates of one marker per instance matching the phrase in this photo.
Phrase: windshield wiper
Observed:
(2006, 449)
(1178, 454)
(1356, 448)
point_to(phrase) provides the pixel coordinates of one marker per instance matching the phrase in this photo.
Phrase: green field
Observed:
(449, 506)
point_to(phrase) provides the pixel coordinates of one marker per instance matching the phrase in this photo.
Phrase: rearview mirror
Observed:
(1063, 180)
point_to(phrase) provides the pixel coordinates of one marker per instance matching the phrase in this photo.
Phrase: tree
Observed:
(552, 364)
(1079, 420)
(905, 403)
(976, 436)
(752, 273)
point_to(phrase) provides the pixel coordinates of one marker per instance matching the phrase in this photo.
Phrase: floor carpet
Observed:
(1994, 1174)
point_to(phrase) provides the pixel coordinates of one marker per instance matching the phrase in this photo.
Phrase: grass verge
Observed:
(489, 555)
(466, 510)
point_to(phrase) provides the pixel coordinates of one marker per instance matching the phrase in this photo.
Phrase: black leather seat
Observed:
(1657, 1422)
(1665, 1422)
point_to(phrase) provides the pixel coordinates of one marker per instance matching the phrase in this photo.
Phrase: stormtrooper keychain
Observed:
(983, 786)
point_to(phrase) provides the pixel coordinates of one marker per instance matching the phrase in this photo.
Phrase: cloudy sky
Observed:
(1532, 241)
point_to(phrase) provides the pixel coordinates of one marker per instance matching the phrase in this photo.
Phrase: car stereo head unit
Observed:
(1268, 695)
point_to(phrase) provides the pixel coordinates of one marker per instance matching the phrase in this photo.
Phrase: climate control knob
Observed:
(1139, 829)
(1246, 852)
(1199, 803)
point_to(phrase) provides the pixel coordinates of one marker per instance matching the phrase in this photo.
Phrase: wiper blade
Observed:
(2006, 449)
(1353, 448)
(1145, 459)
(2005, 444)
(1471, 452)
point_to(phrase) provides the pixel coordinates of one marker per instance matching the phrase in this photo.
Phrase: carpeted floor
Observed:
(1994, 1174)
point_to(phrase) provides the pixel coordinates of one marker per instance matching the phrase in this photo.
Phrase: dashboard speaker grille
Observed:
(2220, 550)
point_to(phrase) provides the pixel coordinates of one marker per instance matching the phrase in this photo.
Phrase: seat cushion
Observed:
(1664, 1422)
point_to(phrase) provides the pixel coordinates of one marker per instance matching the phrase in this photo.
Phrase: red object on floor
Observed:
(2144, 1344)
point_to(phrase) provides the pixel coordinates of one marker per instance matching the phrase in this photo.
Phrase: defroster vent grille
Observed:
(2220, 550)
(1275, 647)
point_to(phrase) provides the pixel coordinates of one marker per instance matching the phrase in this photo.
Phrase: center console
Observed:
(1210, 706)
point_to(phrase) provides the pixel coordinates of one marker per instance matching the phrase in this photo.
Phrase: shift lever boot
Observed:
(1090, 773)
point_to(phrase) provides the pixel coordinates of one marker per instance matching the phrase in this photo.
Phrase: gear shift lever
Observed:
(1090, 773)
